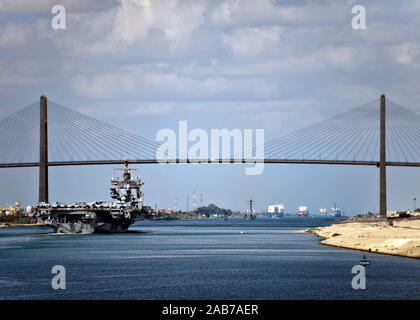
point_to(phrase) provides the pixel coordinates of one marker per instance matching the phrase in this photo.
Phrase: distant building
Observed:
(167, 211)
(11, 210)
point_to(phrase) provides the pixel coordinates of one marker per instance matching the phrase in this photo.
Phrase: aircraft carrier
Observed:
(99, 216)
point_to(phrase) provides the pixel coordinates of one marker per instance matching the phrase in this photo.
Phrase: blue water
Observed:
(197, 259)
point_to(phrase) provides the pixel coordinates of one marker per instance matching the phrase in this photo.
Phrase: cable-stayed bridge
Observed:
(380, 133)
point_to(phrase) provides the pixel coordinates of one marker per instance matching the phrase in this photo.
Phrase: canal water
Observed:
(197, 259)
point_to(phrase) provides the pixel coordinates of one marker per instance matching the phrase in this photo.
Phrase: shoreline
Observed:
(399, 238)
(13, 225)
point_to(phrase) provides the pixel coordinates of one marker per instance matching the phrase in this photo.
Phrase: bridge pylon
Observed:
(382, 160)
(43, 150)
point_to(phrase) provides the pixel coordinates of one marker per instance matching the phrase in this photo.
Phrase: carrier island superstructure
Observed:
(99, 216)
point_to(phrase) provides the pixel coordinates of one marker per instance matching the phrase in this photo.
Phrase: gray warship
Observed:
(99, 216)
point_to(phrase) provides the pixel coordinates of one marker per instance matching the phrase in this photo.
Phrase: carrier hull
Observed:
(82, 221)
(99, 216)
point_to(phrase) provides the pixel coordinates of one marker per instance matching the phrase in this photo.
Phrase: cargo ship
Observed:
(276, 210)
(99, 216)
(323, 212)
(303, 211)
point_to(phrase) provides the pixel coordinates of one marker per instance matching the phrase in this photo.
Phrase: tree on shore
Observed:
(212, 209)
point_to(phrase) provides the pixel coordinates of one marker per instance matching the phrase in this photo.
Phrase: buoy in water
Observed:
(364, 262)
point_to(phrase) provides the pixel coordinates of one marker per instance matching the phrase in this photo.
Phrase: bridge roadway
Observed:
(174, 161)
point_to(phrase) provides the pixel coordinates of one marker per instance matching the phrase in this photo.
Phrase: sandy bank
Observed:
(402, 238)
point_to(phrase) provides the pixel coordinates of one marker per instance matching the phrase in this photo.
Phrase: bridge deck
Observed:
(180, 161)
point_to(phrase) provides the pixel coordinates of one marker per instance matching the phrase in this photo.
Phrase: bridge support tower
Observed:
(43, 151)
(382, 162)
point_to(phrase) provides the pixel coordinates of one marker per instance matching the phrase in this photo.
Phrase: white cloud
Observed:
(406, 54)
(274, 115)
(249, 106)
(323, 59)
(18, 78)
(136, 79)
(355, 93)
(149, 81)
(14, 35)
(342, 57)
(129, 108)
(204, 51)
(249, 42)
(246, 12)
(44, 6)
(133, 25)
(131, 22)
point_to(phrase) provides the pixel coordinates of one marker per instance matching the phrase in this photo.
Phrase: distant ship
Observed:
(99, 216)
(276, 210)
(335, 212)
(303, 211)
(250, 213)
(323, 212)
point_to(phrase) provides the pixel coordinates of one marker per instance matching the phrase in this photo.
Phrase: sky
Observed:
(275, 65)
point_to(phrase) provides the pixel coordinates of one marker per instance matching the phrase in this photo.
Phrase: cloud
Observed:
(44, 6)
(342, 57)
(167, 51)
(276, 116)
(14, 35)
(360, 93)
(133, 79)
(407, 54)
(250, 107)
(21, 77)
(329, 58)
(175, 19)
(133, 25)
(249, 42)
(246, 12)
(152, 82)
(128, 108)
